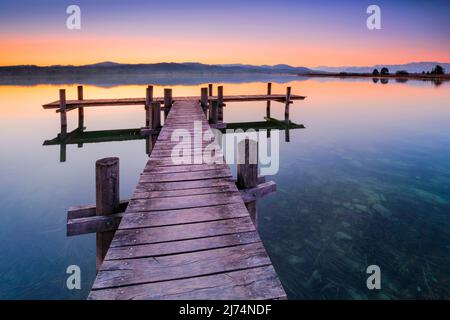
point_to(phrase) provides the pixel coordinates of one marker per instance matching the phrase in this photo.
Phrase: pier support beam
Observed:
(204, 99)
(247, 172)
(287, 103)
(269, 92)
(80, 109)
(148, 101)
(107, 200)
(220, 102)
(167, 101)
(210, 89)
(214, 112)
(63, 111)
(156, 115)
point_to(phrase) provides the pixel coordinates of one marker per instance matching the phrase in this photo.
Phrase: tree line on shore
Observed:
(437, 70)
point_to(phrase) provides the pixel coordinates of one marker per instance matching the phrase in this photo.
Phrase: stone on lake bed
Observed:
(382, 210)
(342, 236)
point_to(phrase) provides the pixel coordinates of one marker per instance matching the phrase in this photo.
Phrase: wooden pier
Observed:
(187, 232)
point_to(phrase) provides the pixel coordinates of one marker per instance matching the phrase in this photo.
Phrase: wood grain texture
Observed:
(186, 232)
(115, 273)
(256, 283)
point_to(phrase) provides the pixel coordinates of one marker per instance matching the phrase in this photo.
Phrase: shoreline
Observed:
(412, 76)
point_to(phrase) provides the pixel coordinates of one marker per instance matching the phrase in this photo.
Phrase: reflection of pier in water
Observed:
(198, 221)
(80, 136)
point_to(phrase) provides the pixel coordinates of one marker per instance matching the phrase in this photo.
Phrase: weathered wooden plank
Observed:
(76, 212)
(182, 216)
(93, 224)
(184, 192)
(184, 168)
(184, 202)
(259, 283)
(178, 185)
(141, 101)
(184, 176)
(261, 190)
(131, 237)
(182, 246)
(116, 273)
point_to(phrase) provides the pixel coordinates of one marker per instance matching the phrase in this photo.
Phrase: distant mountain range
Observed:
(413, 67)
(118, 68)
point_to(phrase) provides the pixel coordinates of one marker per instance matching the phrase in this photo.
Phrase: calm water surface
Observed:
(367, 182)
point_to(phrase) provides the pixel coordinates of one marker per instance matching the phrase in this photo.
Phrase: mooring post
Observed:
(167, 101)
(148, 101)
(156, 115)
(63, 112)
(247, 171)
(80, 109)
(214, 113)
(269, 92)
(204, 99)
(220, 102)
(288, 102)
(210, 89)
(107, 200)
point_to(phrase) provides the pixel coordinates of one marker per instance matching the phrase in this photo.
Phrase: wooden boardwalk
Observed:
(186, 233)
(141, 101)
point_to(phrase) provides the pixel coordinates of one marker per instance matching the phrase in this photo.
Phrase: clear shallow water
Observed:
(367, 182)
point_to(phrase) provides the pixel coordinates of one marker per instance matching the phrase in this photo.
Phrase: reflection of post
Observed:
(80, 109)
(288, 101)
(247, 172)
(269, 92)
(63, 112)
(167, 101)
(210, 89)
(214, 113)
(107, 200)
(62, 151)
(150, 143)
(287, 136)
(204, 99)
(148, 100)
(220, 102)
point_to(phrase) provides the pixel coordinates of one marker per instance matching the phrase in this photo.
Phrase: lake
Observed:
(367, 182)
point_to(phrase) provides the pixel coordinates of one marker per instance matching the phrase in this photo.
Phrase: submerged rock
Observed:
(382, 210)
(342, 236)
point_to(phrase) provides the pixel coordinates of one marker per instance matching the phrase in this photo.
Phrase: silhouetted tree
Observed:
(384, 71)
(438, 70)
(375, 72)
(402, 72)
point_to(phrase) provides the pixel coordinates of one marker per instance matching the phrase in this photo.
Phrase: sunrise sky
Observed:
(300, 33)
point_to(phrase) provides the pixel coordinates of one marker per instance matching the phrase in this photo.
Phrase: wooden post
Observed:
(210, 89)
(167, 101)
(156, 114)
(288, 101)
(247, 168)
(80, 109)
(220, 102)
(247, 172)
(63, 112)
(269, 92)
(204, 99)
(213, 118)
(148, 101)
(107, 200)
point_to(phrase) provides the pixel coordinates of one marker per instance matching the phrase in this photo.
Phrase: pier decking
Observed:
(186, 233)
(141, 101)
(189, 230)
